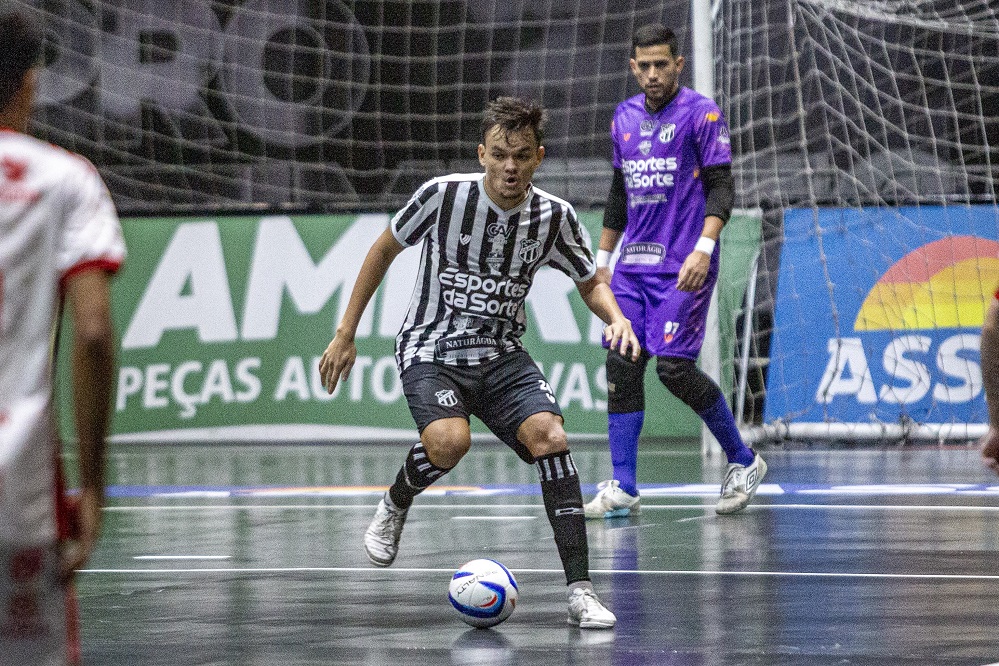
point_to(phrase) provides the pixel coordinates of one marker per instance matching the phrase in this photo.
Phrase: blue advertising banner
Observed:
(879, 314)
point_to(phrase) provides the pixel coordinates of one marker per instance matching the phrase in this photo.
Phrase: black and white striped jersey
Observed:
(477, 266)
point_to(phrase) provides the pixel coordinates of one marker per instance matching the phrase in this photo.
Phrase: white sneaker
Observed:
(586, 611)
(381, 540)
(740, 485)
(612, 502)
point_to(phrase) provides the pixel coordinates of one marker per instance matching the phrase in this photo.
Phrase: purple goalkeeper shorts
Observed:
(667, 321)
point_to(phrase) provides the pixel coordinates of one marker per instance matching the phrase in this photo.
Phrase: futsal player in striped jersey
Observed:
(59, 239)
(671, 194)
(484, 236)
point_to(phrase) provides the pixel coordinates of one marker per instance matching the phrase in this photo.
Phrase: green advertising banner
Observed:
(221, 323)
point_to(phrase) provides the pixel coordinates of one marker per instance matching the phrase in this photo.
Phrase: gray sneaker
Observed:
(381, 541)
(586, 611)
(740, 485)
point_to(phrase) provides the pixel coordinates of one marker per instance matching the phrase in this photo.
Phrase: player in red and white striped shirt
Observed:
(60, 241)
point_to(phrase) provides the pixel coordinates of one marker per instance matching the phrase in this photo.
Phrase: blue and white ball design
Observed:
(483, 592)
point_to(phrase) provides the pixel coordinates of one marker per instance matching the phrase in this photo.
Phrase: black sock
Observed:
(415, 476)
(564, 505)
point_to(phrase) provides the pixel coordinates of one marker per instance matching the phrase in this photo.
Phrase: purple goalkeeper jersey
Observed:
(661, 156)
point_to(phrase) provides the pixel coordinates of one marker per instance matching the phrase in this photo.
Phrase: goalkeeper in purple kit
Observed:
(671, 195)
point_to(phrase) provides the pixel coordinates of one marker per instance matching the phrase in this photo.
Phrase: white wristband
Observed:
(705, 245)
(603, 258)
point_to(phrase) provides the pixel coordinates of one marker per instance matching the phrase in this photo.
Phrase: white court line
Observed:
(182, 557)
(494, 517)
(395, 570)
(652, 507)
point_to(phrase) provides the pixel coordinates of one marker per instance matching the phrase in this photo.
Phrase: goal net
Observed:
(191, 106)
(864, 130)
(868, 132)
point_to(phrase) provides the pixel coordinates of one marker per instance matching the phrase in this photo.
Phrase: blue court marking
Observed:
(646, 490)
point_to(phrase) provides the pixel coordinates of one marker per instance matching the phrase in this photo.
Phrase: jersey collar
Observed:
(528, 195)
(665, 104)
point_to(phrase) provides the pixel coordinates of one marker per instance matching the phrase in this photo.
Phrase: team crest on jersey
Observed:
(645, 147)
(530, 250)
(446, 398)
(667, 132)
(647, 127)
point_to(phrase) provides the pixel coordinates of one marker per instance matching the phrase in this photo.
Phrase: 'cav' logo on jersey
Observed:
(667, 132)
(645, 147)
(446, 398)
(497, 235)
(530, 250)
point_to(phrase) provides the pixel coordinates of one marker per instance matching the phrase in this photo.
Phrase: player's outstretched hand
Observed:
(337, 361)
(990, 449)
(694, 271)
(621, 337)
(85, 530)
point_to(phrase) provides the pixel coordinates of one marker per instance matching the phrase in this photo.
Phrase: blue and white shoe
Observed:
(612, 502)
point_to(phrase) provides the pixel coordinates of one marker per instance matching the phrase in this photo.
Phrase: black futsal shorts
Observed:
(503, 393)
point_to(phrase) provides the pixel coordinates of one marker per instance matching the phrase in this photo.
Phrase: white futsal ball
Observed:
(483, 592)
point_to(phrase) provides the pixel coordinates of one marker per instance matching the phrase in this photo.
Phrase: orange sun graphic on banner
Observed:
(944, 284)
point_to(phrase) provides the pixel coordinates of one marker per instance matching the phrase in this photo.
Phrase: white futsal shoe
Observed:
(586, 611)
(740, 485)
(612, 502)
(381, 540)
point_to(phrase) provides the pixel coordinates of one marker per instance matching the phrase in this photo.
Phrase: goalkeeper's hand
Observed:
(694, 271)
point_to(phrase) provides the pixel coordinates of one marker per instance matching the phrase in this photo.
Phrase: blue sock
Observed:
(721, 423)
(623, 430)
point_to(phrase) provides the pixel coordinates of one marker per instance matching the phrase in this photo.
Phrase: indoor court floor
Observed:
(251, 555)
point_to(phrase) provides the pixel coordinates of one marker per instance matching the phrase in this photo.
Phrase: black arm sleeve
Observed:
(616, 212)
(719, 191)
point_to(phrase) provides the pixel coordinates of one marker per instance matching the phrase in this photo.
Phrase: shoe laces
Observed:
(589, 602)
(606, 486)
(389, 521)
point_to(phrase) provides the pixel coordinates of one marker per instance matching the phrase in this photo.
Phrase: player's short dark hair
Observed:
(654, 34)
(21, 38)
(513, 114)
